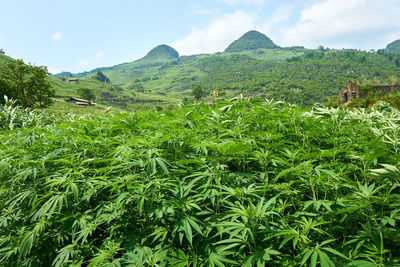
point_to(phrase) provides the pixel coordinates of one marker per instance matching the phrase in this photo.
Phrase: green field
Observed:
(239, 182)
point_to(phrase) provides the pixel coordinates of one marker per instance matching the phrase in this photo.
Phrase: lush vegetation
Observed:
(27, 84)
(235, 183)
(293, 74)
(251, 40)
(393, 47)
(101, 77)
(258, 67)
(161, 52)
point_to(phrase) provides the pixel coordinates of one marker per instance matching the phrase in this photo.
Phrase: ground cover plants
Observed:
(240, 182)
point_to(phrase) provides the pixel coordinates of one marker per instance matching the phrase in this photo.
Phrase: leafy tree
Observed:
(27, 84)
(198, 92)
(101, 77)
(2, 51)
(4, 90)
(185, 101)
(87, 93)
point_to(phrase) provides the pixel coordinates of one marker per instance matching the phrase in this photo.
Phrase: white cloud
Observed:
(99, 54)
(57, 36)
(342, 23)
(200, 9)
(84, 63)
(54, 70)
(280, 15)
(217, 36)
(247, 2)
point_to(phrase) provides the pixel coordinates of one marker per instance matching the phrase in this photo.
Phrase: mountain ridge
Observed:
(162, 51)
(251, 40)
(393, 47)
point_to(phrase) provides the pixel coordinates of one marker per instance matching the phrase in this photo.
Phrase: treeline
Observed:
(27, 84)
(310, 78)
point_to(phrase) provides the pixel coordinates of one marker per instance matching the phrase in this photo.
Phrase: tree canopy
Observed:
(101, 77)
(87, 93)
(198, 92)
(27, 84)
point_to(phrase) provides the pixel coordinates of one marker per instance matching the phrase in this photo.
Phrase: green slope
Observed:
(295, 74)
(161, 53)
(250, 41)
(106, 93)
(145, 67)
(4, 60)
(393, 47)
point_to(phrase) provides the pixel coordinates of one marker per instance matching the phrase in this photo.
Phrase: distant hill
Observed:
(251, 40)
(259, 67)
(162, 52)
(393, 47)
(62, 74)
(3, 62)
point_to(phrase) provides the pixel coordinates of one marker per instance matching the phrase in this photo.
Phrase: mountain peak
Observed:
(393, 47)
(251, 40)
(162, 52)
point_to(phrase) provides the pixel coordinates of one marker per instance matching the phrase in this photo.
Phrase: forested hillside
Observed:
(393, 47)
(295, 74)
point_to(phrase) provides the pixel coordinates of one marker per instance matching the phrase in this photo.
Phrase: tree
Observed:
(198, 92)
(101, 77)
(4, 90)
(27, 84)
(87, 93)
(397, 62)
(2, 51)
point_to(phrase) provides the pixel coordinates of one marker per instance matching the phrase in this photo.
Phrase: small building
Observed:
(353, 91)
(72, 80)
(80, 102)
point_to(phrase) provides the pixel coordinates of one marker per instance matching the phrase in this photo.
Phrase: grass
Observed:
(236, 183)
(65, 108)
(110, 95)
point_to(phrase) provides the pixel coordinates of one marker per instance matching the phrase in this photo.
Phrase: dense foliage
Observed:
(27, 84)
(162, 52)
(393, 47)
(292, 74)
(240, 182)
(198, 92)
(250, 41)
(101, 77)
(87, 94)
(310, 78)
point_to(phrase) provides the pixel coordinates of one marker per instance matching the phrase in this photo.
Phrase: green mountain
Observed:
(3, 61)
(294, 74)
(251, 40)
(393, 47)
(162, 52)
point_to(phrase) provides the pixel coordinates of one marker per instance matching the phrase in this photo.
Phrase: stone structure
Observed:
(381, 89)
(350, 93)
(353, 91)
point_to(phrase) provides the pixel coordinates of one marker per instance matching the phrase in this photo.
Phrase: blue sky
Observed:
(81, 35)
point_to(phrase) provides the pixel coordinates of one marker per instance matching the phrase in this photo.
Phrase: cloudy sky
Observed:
(78, 35)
